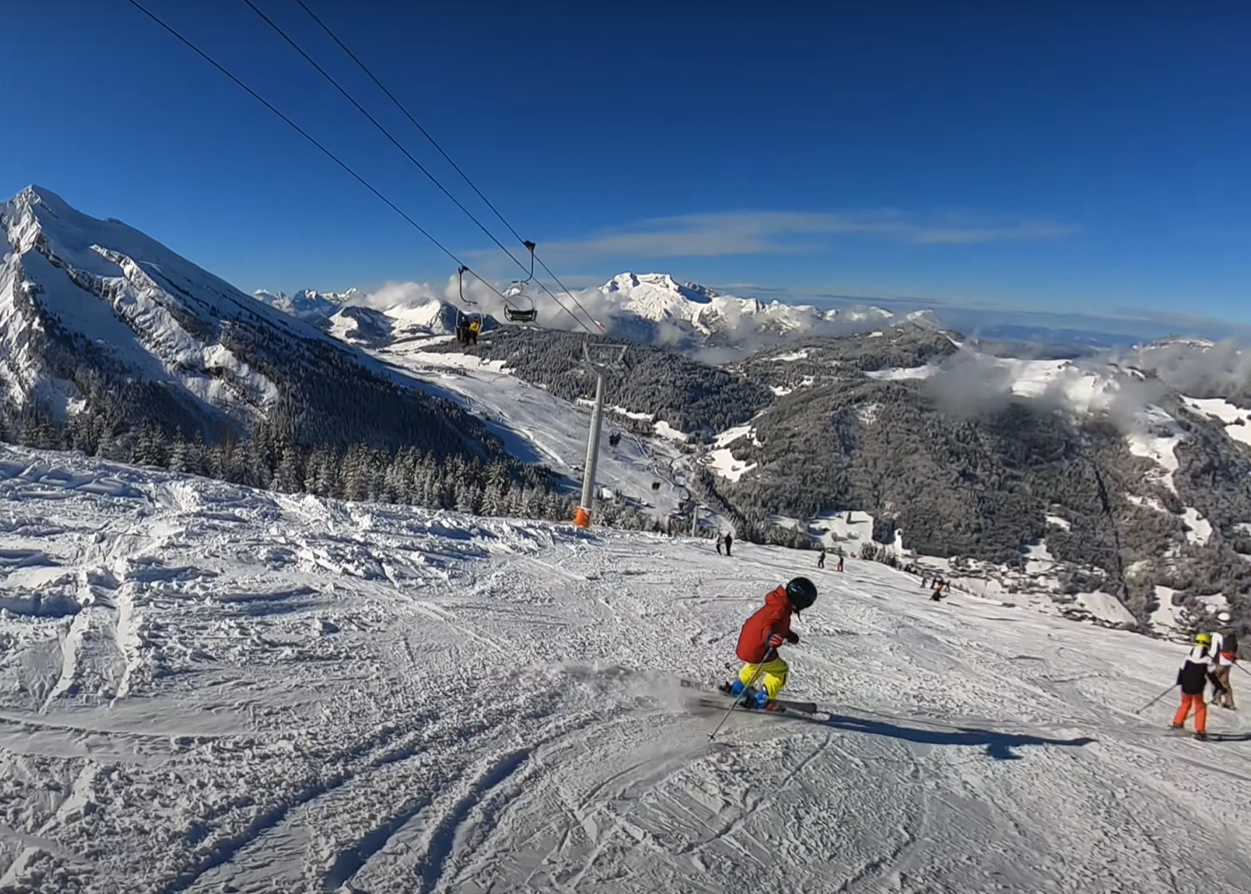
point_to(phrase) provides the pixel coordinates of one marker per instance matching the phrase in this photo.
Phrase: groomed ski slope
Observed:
(272, 694)
(541, 428)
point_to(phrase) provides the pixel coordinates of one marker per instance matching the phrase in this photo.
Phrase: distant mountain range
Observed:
(308, 304)
(649, 308)
(1124, 474)
(1118, 485)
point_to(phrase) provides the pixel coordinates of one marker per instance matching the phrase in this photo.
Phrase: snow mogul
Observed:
(761, 637)
(1198, 670)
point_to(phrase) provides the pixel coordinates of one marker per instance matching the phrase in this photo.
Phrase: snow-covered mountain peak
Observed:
(924, 318)
(657, 296)
(659, 301)
(37, 210)
(308, 304)
(1180, 341)
(99, 321)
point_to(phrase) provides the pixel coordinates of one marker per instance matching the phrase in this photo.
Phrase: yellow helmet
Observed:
(1204, 639)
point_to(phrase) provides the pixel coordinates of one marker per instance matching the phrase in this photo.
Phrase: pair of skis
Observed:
(715, 698)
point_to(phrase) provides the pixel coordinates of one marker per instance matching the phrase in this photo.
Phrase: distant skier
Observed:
(761, 637)
(821, 559)
(1225, 648)
(1192, 677)
(840, 560)
(729, 541)
(720, 540)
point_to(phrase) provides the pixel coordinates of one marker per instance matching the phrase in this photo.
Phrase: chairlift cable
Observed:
(309, 137)
(295, 127)
(374, 121)
(433, 142)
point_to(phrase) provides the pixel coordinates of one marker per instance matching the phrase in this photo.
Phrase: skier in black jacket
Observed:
(1193, 677)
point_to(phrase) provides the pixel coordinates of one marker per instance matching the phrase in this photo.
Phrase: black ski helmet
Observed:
(802, 593)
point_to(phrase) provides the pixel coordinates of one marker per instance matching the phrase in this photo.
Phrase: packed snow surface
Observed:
(206, 689)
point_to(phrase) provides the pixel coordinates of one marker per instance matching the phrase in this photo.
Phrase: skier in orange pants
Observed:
(1193, 677)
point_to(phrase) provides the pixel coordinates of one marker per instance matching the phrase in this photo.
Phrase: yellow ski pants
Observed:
(772, 676)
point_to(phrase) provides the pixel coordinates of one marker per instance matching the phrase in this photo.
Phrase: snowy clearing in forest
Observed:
(846, 529)
(724, 464)
(1237, 421)
(1157, 438)
(1166, 617)
(248, 692)
(730, 435)
(1198, 529)
(898, 373)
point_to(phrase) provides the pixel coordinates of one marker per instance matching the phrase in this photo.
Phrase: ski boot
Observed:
(760, 701)
(1202, 737)
(734, 690)
(1177, 726)
(737, 689)
(749, 697)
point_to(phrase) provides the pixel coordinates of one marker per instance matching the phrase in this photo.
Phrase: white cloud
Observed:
(790, 232)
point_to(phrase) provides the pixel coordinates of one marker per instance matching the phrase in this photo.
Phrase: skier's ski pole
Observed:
(1156, 699)
(734, 704)
(1241, 668)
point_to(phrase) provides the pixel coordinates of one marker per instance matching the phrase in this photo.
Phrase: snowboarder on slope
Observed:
(1193, 677)
(1225, 648)
(758, 642)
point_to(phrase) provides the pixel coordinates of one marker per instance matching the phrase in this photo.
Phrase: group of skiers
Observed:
(764, 672)
(939, 588)
(821, 559)
(726, 540)
(467, 330)
(1210, 661)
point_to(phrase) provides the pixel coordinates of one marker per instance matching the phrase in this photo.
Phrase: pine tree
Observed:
(287, 478)
(149, 449)
(354, 478)
(178, 453)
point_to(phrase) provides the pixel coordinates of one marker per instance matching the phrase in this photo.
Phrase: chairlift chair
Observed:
(519, 314)
(518, 290)
(463, 319)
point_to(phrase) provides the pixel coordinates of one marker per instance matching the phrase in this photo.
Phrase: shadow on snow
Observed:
(998, 745)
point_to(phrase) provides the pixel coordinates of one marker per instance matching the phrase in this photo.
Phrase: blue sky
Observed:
(1060, 160)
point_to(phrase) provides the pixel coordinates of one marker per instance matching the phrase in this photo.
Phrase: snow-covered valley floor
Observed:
(208, 689)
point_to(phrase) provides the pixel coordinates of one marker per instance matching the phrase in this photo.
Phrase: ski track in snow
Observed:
(210, 689)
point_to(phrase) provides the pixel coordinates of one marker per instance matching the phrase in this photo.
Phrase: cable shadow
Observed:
(998, 745)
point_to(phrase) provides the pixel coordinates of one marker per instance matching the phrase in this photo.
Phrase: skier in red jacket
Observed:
(758, 642)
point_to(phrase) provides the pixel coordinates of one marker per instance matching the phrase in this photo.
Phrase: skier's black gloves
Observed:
(792, 637)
